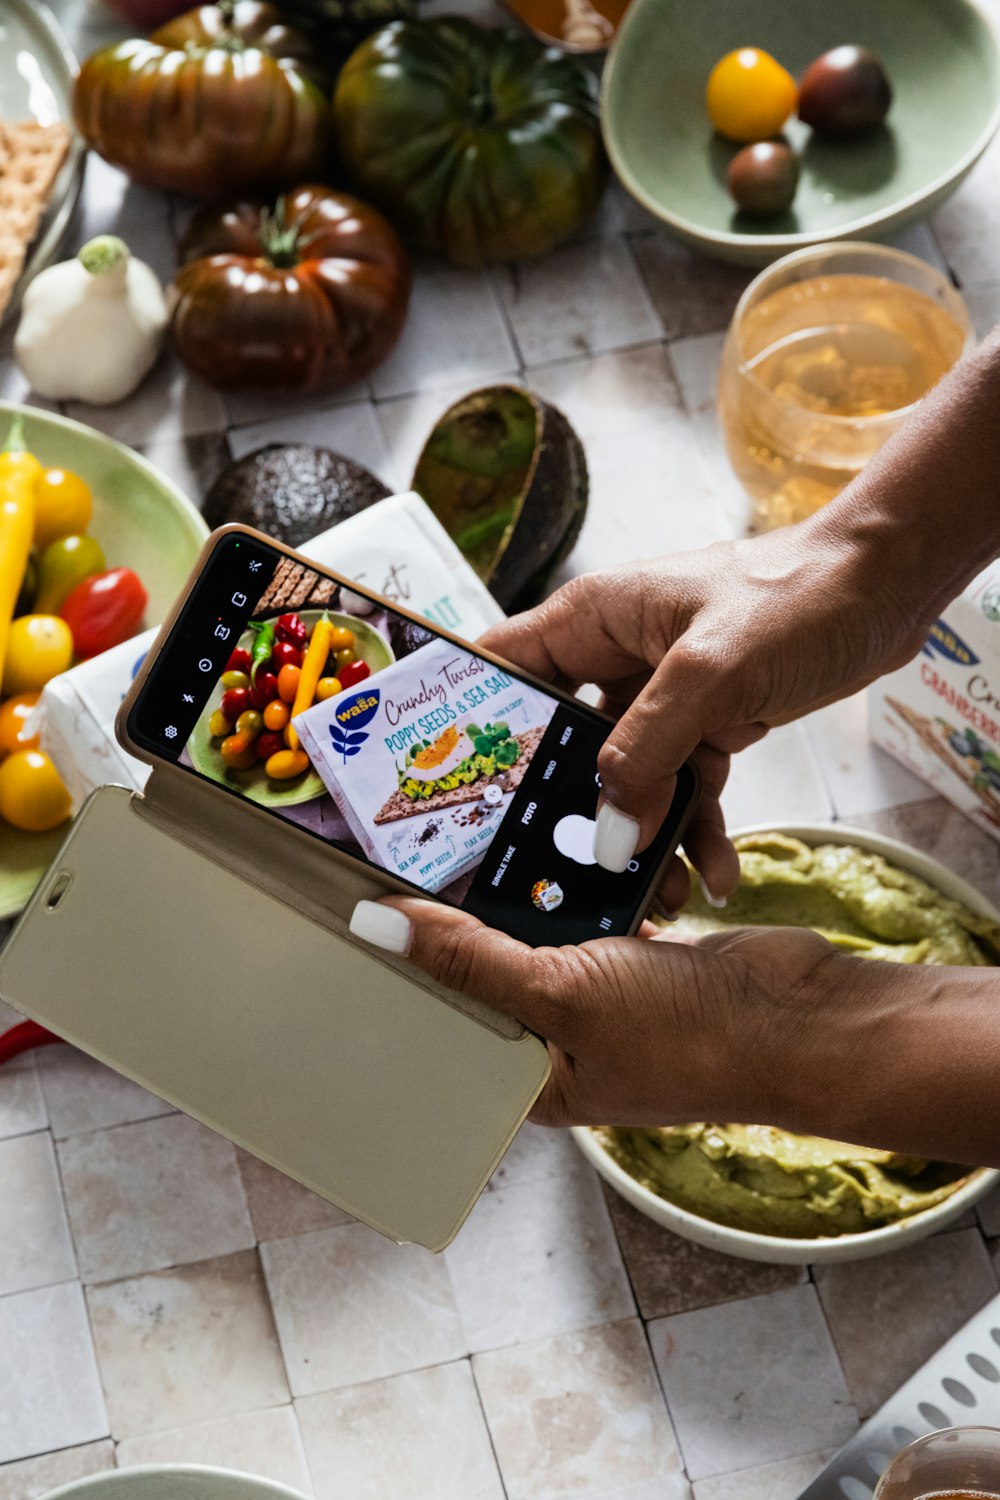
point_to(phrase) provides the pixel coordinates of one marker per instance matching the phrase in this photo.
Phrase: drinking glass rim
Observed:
(846, 249)
(930, 1437)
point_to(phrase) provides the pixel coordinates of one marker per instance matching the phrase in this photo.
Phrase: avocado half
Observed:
(505, 474)
(291, 491)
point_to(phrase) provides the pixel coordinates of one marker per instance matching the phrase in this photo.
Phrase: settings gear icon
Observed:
(171, 731)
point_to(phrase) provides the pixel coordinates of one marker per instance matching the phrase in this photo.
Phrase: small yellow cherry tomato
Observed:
(219, 725)
(327, 687)
(284, 764)
(276, 715)
(12, 716)
(63, 506)
(341, 638)
(32, 795)
(749, 96)
(38, 647)
(237, 752)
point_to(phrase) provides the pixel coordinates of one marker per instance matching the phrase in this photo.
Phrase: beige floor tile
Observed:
(351, 1306)
(581, 299)
(691, 294)
(968, 224)
(82, 1094)
(50, 1393)
(351, 429)
(280, 1207)
(35, 1247)
(752, 1382)
(22, 1105)
(781, 1481)
(152, 1194)
(536, 1259)
(890, 1314)
(266, 1443)
(580, 1415)
(420, 1434)
(671, 1275)
(776, 779)
(187, 1346)
(610, 395)
(536, 1153)
(33, 1477)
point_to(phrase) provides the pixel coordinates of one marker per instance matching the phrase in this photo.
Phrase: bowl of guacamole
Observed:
(762, 1193)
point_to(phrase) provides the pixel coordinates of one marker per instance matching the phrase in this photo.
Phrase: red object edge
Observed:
(22, 1038)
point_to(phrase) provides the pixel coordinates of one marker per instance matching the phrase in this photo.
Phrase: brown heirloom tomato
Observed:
(310, 294)
(219, 99)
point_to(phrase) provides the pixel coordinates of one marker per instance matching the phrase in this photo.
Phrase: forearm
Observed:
(923, 516)
(903, 1057)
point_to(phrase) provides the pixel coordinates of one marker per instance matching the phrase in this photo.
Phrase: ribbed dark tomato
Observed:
(312, 293)
(221, 98)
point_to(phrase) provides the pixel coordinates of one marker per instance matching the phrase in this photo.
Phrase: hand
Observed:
(639, 1032)
(699, 654)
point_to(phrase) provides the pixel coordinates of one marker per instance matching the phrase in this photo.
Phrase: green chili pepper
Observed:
(260, 652)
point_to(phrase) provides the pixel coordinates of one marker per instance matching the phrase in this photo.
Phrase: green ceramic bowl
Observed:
(143, 522)
(173, 1482)
(203, 747)
(943, 59)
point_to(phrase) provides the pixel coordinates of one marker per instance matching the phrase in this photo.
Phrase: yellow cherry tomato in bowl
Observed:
(38, 647)
(341, 638)
(276, 715)
(327, 687)
(749, 95)
(32, 794)
(63, 506)
(12, 716)
(284, 764)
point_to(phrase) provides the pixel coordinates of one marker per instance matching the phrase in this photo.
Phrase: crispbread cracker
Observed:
(400, 806)
(30, 158)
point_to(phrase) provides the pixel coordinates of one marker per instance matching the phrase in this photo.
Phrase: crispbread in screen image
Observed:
(393, 743)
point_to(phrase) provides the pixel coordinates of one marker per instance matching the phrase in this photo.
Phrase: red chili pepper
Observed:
(354, 672)
(240, 661)
(290, 628)
(285, 655)
(264, 690)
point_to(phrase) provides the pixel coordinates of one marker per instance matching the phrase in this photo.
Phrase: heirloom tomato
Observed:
(220, 98)
(309, 294)
(476, 142)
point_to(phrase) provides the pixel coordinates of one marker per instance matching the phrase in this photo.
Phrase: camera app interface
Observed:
(384, 739)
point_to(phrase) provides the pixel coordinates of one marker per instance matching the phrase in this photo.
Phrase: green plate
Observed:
(143, 522)
(203, 747)
(942, 57)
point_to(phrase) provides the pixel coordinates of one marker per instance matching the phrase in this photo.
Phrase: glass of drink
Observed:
(959, 1463)
(828, 352)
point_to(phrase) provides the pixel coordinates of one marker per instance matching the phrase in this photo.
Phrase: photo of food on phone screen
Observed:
(395, 744)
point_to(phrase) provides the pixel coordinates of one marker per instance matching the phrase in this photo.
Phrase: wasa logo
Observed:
(347, 730)
(943, 641)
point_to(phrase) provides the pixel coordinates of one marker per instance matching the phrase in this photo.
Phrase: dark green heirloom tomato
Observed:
(476, 142)
(221, 98)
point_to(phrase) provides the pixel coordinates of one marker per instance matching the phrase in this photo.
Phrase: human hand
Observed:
(638, 1031)
(697, 655)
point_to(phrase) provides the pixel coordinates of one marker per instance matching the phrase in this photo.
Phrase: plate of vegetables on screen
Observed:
(281, 665)
(94, 546)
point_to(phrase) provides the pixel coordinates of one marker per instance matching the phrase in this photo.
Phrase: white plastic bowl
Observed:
(173, 1482)
(775, 1248)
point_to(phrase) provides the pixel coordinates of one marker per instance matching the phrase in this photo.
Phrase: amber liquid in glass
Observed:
(958, 1495)
(821, 361)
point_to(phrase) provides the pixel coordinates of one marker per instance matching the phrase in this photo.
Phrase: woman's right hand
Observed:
(698, 655)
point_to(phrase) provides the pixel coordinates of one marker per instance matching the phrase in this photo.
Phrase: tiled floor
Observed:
(164, 1297)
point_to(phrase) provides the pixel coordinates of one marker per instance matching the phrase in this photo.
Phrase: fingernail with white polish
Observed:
(717, 901)
(382, 926)
(615, 839)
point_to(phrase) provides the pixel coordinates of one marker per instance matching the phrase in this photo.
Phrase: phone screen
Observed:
(414, 754)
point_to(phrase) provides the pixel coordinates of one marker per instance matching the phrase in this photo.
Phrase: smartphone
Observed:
(399, 745)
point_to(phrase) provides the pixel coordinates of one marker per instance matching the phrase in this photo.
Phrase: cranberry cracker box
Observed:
(940, 714)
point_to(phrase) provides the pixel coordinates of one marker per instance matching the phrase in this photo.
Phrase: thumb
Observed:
(464, 954)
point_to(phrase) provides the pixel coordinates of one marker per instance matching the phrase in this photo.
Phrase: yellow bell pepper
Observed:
(19, 476)
(312, 670)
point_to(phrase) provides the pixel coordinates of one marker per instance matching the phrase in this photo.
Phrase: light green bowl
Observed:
(142, 522)
(943, 59)
(173, 1482)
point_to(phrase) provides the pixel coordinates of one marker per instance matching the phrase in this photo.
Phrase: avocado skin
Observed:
(292, 491)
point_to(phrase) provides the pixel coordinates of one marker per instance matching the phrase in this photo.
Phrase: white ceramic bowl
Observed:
(742, 1243)
(173, 1482)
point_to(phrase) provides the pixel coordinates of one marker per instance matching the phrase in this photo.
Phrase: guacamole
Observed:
(769, 1181)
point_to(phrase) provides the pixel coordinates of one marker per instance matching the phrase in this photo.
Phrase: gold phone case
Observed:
(205, 957)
